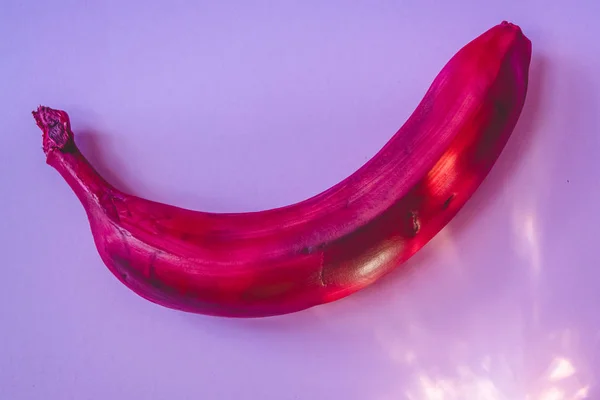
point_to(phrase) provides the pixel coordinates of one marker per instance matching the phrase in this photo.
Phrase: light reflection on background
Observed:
(465, 384)
(505, 373)
(531, 239)
(561, 369)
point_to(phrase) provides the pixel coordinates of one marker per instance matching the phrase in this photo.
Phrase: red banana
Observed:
(326, 247)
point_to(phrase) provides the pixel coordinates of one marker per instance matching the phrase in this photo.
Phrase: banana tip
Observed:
(510, 24)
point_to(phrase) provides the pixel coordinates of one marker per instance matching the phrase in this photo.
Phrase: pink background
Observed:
(246, 105)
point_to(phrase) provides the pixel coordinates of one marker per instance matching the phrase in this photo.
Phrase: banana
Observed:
(319, 250)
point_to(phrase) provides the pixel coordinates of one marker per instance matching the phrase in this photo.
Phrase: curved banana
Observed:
(324, 248)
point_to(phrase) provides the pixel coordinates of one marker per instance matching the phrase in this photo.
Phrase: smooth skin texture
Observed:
(327, 247)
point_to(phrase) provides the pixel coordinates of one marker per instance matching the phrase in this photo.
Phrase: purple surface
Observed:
(246, 105)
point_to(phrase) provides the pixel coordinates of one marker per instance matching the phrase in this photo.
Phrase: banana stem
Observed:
(64, 156)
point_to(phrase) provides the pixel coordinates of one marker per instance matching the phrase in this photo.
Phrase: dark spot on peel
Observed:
(152, 276)
(186, 237)
(121, 262)
(307, 250)
(448, 201)
(122, 267)
(312, 249)
(502, 108)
